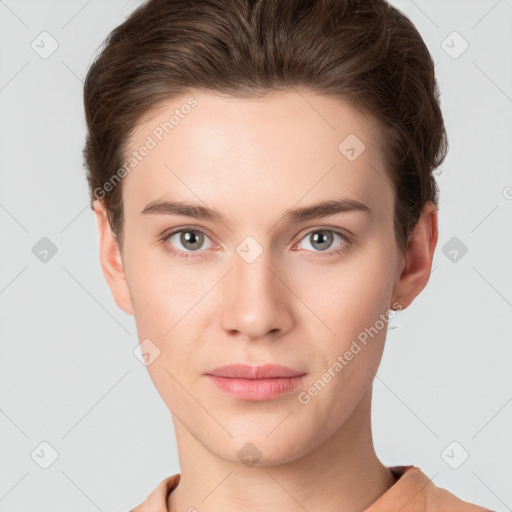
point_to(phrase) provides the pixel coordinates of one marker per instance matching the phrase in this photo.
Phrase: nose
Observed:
(255, 301)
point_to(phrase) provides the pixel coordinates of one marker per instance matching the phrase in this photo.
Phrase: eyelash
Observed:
(322, 254)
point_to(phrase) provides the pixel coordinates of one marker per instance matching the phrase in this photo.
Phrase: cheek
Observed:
(162, 291)
(165, 303)
(351, 294)
(351, 300)
(169, 301)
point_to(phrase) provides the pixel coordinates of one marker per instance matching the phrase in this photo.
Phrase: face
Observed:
(266, 279)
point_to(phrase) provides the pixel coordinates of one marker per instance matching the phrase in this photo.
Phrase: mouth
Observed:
(256, 383)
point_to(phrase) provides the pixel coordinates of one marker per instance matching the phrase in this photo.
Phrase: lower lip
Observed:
(257, 389)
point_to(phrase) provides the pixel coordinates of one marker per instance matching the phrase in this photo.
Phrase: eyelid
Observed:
(345, 233)
(172, 231)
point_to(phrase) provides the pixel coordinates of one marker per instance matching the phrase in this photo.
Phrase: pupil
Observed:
(190, 237)
(322, 236)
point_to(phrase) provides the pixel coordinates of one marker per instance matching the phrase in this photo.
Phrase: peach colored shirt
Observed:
(412, 492)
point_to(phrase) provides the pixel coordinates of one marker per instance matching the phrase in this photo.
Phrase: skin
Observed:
(252, 159)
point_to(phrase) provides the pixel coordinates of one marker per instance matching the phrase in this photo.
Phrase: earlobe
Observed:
(418, 257)
(111, 260)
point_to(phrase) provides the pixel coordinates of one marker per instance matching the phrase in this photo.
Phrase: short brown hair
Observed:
(364, 52)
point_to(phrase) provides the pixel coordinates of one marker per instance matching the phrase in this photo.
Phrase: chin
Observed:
(259, 451)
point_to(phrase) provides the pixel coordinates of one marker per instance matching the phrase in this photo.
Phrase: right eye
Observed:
(190, 240)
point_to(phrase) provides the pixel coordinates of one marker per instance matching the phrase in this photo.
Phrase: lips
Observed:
(256, 383)
(243, 371)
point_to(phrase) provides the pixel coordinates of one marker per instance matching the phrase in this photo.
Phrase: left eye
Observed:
(322, 239)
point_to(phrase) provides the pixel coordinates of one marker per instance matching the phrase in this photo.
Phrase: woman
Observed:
(227, 142)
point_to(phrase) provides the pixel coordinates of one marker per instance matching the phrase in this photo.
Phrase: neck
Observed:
(343, 474)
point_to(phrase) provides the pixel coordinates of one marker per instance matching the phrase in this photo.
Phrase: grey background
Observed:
(68, 374)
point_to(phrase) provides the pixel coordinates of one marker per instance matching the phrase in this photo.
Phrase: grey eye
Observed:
(190, 239)
(321, 239)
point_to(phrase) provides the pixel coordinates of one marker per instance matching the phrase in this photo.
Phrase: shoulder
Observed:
(438, 499)
(415, 492)
(157, 500)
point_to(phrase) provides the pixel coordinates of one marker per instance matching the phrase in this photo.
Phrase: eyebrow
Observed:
(318, 210)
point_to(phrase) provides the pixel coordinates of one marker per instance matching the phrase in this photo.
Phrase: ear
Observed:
(111, 261)
(421, 244)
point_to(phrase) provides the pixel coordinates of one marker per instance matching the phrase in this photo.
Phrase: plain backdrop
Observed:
(73, 396)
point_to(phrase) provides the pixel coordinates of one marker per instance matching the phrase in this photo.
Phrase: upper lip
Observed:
(243, 371)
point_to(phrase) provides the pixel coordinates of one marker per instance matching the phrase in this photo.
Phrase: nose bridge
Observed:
(254, 298)
(252, 264)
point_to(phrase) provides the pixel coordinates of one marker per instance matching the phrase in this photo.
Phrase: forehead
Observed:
(286, 146)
